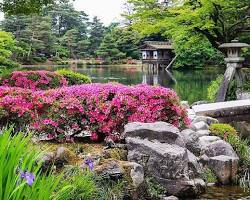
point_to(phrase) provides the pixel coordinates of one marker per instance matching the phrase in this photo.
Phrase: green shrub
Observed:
(246, 87)
(222, 130)
(213, 88)
(74, 78)
(208, 176)
(16, 156)
(154, 189)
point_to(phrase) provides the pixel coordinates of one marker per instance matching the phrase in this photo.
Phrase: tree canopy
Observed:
(13, 7)
(218, 21)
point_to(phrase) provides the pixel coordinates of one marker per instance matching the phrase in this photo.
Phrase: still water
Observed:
(190, 85)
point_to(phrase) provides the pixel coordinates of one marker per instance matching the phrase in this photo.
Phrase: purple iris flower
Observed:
(29, 177)
(90, 163)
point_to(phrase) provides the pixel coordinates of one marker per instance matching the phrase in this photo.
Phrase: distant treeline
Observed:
(61, 32)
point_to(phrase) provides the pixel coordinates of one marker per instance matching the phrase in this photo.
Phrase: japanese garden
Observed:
(153, 105)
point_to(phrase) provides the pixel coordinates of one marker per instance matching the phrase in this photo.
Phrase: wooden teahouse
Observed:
(157, 53)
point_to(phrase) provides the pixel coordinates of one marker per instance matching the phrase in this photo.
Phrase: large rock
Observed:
(131, 172)
(219, 147)
(224, 167)
(184, 188)
(161, 131)
(205, 141)
(191, 139)
(170, 165)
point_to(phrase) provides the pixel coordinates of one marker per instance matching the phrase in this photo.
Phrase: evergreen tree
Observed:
(97, 31)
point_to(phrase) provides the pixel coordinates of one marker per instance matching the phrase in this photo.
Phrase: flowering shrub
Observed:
(34, 80)
(99, 109)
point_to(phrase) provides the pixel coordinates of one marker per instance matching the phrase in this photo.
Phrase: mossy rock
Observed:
(115, 153)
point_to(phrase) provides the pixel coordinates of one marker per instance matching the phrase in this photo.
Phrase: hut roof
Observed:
(155, 45)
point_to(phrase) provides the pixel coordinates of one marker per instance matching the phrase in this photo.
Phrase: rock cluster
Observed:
(175, 159)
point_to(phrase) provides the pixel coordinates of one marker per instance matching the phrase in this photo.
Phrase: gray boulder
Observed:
(205, 141)
(191, 139)
(184, 188)
(224, 167)
(219, 147)
(201, 133)
(170, 165)
(161, 131)
(206, 119)
(193, 164)
(191, 114)
(199, 126)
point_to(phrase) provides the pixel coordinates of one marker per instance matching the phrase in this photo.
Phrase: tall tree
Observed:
(108, 49)
(96, 35)
(65, 17)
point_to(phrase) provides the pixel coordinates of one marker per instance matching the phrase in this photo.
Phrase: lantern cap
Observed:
(234, 44)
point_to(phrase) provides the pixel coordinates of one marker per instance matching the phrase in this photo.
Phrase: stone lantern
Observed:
(234, 63)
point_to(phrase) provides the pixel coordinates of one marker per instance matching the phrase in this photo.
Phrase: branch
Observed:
(212, 39)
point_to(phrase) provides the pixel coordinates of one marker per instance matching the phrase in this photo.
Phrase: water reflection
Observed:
(190, 84)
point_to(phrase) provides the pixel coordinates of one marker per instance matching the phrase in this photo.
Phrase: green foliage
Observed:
(213, 88)
(246, 87)
(16, 154)
(7, 46)
(218, 21)
(197, 55)
(119, 43)
(97, 31)
(108, 189)
(231, 93)
(74, 78)
(222, 130)
(82, 184)
(191, 24)
(11, 7)
(208, 176)
(155, 190)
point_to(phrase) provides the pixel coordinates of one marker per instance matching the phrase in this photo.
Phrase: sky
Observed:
(107, 10)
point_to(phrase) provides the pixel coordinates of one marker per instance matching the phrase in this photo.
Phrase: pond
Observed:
(191, 85)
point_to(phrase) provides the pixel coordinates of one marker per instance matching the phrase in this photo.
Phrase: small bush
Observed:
(98, 109)
(246, 87)
(222, 130)
(74, 78)
(213, 88)
(34, 80)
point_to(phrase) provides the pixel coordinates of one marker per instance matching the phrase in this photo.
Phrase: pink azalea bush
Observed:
(34, 80)
(99, 109)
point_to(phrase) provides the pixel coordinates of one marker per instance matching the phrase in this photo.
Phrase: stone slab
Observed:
(224, 109)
